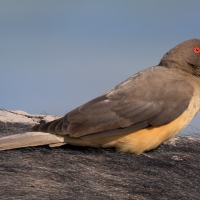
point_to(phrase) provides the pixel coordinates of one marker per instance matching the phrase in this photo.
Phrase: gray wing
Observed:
(152, 97)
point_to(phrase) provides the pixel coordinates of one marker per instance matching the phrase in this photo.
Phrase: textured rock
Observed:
(169, 172)
(19, 116)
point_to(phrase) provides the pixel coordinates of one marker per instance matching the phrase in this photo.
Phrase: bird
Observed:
(136, 116)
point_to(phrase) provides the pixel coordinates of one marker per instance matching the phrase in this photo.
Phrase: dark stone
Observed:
(172, 171)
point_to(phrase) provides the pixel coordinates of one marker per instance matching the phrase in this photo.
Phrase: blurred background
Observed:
(56, 55)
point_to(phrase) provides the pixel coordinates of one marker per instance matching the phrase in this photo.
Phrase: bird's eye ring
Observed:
(196, 49)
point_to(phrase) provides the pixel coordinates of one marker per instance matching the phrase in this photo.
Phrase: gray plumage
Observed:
(153, 97)
(137, 115)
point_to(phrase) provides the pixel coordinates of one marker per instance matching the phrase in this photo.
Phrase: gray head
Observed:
(185, 56)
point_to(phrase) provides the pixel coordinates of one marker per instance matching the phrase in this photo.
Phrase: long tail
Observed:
(29, 139)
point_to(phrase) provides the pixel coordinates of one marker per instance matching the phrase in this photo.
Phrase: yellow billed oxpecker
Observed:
(137, 115)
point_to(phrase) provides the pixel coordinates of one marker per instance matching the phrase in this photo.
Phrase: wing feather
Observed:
(153, 97)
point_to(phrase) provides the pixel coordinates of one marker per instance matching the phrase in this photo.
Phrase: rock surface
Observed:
(172, 171)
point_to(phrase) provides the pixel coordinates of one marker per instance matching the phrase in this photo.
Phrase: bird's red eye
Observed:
(196, 49)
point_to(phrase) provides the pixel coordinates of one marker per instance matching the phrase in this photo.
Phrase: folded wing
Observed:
(153, 97)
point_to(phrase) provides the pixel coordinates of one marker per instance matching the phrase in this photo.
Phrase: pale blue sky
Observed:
(56, 55)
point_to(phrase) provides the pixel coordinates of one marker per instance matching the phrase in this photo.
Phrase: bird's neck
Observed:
(183, 67)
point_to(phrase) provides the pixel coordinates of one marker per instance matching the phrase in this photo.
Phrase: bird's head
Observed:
(185, 56)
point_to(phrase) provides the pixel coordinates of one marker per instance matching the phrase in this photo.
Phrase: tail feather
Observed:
(29, 139)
